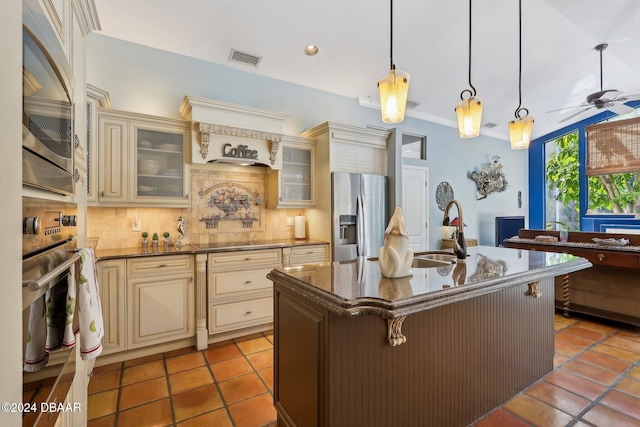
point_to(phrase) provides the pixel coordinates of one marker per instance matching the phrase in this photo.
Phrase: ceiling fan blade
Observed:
(567, 108)
(627, 98)
(597, 95)
(619, 108)
(574, 114)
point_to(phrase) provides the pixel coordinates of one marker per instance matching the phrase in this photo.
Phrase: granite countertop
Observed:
(586, 245)
(102, 254)
(357, 287)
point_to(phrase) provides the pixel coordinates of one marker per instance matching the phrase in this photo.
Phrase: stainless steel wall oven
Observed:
(47, 131)
(49, 253)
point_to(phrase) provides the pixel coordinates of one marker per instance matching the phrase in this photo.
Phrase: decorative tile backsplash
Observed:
(236, 198)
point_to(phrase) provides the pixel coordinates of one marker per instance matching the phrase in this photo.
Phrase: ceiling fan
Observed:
(604, 99)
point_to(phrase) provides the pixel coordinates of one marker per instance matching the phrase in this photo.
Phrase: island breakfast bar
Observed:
(442, 347)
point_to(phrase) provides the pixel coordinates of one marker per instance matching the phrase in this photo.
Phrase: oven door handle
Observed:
(37, 284)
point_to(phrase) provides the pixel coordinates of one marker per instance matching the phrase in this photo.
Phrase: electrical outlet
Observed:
(290, 221)
(136, 224)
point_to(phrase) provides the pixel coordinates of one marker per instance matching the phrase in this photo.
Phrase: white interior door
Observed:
(415, 200)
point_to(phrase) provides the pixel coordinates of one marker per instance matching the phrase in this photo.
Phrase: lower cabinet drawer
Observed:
(236, 315)
(238, 282)
(160, 265)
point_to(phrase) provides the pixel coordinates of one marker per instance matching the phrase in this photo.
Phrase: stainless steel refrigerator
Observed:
(358, 214)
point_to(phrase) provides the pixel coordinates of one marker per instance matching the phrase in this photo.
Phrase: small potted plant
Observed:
(167, 242)
(154, 241)
(145, 242)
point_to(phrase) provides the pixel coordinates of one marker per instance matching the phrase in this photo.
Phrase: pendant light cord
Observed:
(519, 109)
(392, 67)
(472, 87)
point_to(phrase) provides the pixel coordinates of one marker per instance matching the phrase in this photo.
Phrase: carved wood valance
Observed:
(206, 129)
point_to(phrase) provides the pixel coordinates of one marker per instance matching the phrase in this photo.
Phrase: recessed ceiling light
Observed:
(311, 50)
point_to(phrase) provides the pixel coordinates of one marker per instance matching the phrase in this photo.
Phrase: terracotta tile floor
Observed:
(595, 382)
(228, 384)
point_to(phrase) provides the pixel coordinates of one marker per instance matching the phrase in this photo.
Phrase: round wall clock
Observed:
(444, 194)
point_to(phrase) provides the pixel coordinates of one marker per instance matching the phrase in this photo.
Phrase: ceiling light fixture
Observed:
(311, 50)
(520, 128)
(393, 88)
(469, 110)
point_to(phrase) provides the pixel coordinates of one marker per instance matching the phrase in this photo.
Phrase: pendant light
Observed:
(520, 128)
(469, 110)
(393, 88)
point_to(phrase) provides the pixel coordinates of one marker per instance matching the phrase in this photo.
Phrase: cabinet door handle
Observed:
(247, 259)
(162, 265)
(600, 257)
(249, 313)
(248, 282)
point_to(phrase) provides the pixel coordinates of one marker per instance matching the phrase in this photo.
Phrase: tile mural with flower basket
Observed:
(231, 202)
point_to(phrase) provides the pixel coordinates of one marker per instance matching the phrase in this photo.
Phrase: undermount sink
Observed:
(428, 263)
(430, 259)
(433, 260)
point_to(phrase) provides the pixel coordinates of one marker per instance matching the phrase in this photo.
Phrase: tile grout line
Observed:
(166, 377)
(622, 376)
(217, 384)
(593, 402)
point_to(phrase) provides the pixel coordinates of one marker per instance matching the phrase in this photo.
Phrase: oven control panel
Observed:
(46, 223)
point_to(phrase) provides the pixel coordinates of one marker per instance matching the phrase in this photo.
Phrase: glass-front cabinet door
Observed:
(296, 174)
(159, 169)
(294, 185)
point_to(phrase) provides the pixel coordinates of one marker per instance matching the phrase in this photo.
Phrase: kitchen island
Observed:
(439, 348)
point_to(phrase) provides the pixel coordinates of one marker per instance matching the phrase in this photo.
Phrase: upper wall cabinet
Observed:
(349, 148)
(294, 185)
(142, 160)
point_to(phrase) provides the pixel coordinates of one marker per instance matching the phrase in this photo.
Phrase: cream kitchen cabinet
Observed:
(294, 185)
(112, 277)
(146, 301)
(239, 293)
(96, 98)
(160, 299)
(142, 160)
(305, 254)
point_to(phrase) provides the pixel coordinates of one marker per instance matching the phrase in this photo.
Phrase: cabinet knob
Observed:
(162, 265)
(248, 282)
(247, 259)
(249, 313)
(600, 257)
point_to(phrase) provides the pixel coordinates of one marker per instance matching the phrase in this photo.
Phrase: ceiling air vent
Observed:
(411, 105)
(244, 58)
(490, 125)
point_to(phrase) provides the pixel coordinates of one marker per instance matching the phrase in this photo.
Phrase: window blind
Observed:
(613, 147)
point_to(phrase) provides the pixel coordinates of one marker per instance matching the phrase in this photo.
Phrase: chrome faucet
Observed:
(459, 244)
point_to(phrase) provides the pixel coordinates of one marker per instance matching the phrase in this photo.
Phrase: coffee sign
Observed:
(239, 152)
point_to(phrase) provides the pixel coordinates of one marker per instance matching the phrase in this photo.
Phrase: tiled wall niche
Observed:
(114, 225)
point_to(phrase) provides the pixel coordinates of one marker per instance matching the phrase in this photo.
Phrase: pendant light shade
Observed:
(520, 128)
(520, 132)
(393, 95)
(393, 87)
(469, 110)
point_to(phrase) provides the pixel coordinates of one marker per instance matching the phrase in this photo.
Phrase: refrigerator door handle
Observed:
(363, 239)
(360, 225)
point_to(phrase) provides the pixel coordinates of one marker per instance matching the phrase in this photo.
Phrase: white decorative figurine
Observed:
(395, 256)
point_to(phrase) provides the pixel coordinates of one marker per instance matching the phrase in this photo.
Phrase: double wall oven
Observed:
(49, 239)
